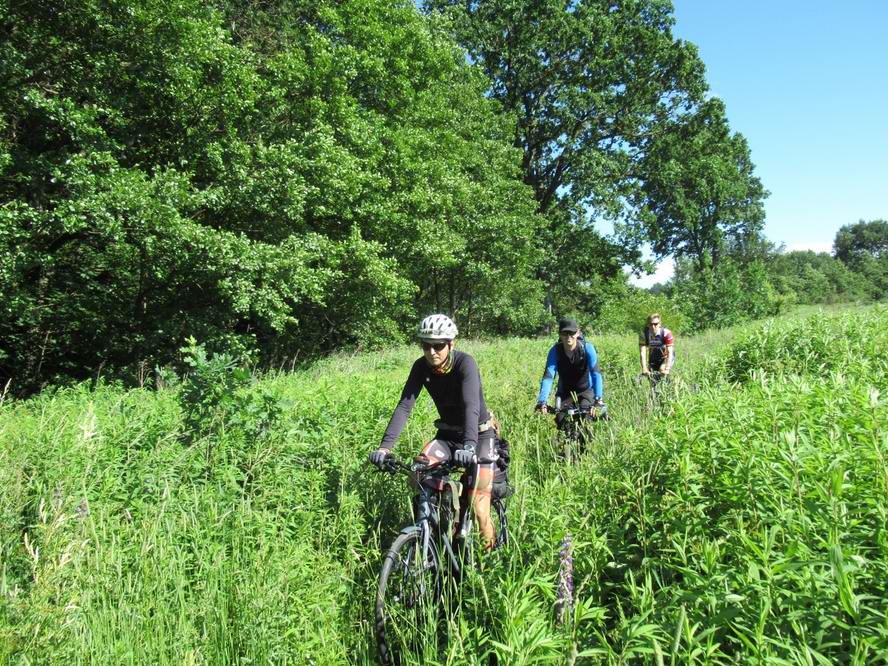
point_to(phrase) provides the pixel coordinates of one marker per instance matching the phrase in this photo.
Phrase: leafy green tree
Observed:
(734, 293)
(587, 82)
(865, 239)
(699, 197)
(863, 247)
(816, 277)
(626, 309)
(273, 179)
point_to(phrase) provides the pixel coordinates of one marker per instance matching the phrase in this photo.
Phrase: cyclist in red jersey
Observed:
(656, 347)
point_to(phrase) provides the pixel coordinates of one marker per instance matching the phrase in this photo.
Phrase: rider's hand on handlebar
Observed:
(378, 457)
(542, 407)
(646, 372)
(464, 457)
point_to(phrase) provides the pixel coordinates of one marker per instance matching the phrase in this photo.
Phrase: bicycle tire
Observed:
(571, 441)
(407, 598)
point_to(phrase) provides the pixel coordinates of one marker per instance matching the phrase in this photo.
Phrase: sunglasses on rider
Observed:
(655, 323)
(428, 346)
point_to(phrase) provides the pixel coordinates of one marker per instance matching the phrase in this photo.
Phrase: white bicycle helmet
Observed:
(437, 327)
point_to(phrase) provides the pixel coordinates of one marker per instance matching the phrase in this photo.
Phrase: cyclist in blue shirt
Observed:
(575, 362)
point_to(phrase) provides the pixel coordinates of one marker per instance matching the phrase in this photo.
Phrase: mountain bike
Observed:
(575, 429)
(657, 382)
(410, 598)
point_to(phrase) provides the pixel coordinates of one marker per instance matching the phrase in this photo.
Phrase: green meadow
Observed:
(741, 516)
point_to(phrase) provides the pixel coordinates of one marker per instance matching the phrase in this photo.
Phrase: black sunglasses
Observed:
(437, 346)
(655, 323)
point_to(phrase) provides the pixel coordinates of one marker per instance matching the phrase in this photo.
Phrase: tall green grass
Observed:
(741, 518)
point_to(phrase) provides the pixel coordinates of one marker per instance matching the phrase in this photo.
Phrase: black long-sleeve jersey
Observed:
(457, 395)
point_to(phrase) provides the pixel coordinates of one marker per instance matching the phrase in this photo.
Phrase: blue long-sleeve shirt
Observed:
(593, 375)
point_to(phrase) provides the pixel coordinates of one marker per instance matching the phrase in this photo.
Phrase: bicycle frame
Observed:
(427, 507)
(575, 425)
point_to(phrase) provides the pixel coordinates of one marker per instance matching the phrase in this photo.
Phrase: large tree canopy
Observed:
(855, 242)
(272, 177)
(586, 80)
(698, 194)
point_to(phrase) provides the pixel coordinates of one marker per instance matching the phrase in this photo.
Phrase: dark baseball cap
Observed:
(568, 325)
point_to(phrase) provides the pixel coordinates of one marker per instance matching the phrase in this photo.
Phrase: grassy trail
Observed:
(741, 520)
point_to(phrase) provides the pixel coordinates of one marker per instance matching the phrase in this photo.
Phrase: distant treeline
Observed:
(762, 279)
(280, 179)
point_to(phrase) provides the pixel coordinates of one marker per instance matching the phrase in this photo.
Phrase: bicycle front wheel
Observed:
(570, 441)
(407, 600)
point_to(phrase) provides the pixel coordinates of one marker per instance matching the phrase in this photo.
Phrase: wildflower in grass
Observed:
(83, 509)
(564, 603)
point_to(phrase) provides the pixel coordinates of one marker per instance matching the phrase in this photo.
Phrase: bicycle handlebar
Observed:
(593, 412)
(393, 464)
(573, 411)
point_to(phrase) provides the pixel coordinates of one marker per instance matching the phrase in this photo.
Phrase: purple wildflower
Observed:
(83, 509)
(564, 603)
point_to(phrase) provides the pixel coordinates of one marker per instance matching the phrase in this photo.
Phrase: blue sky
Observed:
(807, 84)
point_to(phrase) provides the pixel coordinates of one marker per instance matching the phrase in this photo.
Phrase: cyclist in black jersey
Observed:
(466, 432)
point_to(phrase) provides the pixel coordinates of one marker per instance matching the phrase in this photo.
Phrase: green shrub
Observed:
(627, 312)
(732, 294)
(761, 529)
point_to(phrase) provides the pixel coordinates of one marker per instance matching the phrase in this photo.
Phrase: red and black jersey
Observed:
(657, 343)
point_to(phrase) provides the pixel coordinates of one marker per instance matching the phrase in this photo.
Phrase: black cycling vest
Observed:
(573, 370)
(656, 345)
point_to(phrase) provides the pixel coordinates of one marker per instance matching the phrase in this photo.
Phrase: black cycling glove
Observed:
(378, 457)
(464, 457)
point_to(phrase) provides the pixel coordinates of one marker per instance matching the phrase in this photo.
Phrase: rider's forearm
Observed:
(549, 373)
(396, 424)
(644, 358)
(545, 389)
(667, 362)
(598, 384)
(546, 383)
(405, 405)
